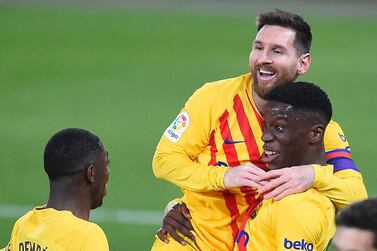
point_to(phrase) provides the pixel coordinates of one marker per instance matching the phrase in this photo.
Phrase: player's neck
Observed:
(315, 156)
(63, 197)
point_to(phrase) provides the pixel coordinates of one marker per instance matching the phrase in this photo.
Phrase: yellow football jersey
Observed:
(46, 229)
(219, 128)
(304, 221)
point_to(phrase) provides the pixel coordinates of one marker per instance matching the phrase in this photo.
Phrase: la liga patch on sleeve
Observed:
(178, 127)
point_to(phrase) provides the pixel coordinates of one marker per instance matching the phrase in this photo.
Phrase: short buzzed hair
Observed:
(303, 96)
(361, 215)
(70, 151)
(303, 38)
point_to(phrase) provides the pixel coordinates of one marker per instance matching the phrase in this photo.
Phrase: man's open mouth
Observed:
(269, 156)
(265, 74)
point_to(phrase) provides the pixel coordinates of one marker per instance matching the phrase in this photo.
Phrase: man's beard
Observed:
(263, 91)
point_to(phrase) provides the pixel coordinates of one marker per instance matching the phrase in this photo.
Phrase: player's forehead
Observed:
(277, 109)
(275, 35)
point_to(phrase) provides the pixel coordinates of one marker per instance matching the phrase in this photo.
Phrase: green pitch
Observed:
(125, 75)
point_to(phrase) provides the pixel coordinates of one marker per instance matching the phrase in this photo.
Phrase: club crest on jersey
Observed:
(177, 128)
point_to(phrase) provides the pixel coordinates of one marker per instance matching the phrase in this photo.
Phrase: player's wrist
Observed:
(170, 206)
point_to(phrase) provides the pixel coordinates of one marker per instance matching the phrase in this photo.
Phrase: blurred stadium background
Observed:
(123, 69)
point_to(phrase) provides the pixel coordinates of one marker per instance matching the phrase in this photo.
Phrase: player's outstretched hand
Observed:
(244, 175)
(286, 181)
(177, 219)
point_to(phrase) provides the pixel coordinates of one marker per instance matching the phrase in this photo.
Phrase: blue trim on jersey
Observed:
(341, 164)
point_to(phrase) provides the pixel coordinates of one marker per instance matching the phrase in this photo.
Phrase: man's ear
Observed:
(91, 173)
(317, 133)
(303, 63)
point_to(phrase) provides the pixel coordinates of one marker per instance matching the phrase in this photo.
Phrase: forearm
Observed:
(342, 188)
(180, 170)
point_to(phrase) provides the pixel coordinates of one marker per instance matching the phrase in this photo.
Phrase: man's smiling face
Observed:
(273, 59)
(285, 136)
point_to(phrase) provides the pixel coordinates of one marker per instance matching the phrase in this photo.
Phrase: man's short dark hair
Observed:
(70, 151)
(292, 21)
(303, 96)
(361, 215)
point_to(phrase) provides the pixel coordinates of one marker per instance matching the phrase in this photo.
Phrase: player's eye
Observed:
(257, 47)
(279, 128)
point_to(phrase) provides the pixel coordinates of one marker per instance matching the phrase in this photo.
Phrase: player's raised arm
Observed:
(175, 159)
(182, 141)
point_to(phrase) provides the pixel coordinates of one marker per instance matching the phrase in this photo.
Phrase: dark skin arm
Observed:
(177, 219)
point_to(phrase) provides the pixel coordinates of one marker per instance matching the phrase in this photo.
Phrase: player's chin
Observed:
(105, 191)
(100, 203)
(97, 204)
(263, 88)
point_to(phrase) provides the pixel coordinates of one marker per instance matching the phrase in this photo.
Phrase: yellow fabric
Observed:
(191, 153)
(185, 155)
(49, 229)
(344, 187)
(185, 163)
(304, 221)
(173, 245)
(334, 137)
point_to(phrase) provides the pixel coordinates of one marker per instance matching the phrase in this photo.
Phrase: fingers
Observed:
(271, 185)
(251, 168)
(253, 175)
(175, 235)
(265, 177)
(278, 191)
(249, 181)
(186, 212)
(173, 225)
(284, 193)
(244, 175)
(287, 181)
(262, 183)
(181, 214)
(162, 234)
(177, 220)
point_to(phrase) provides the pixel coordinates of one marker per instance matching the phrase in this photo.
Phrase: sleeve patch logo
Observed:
(341, 136)
(177, 128)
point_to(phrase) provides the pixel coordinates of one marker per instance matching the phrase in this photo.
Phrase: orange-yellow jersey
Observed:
(304, 221)
(219, 128)
(43, 229)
